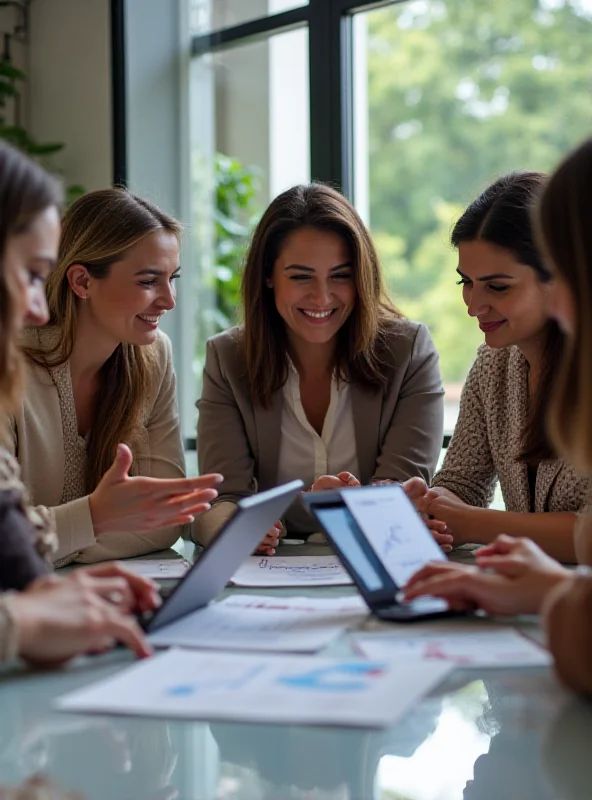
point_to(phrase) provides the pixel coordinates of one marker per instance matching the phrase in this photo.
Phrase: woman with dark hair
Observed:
(513, 575)
(500, 433)
(325, 380)
(47, 619)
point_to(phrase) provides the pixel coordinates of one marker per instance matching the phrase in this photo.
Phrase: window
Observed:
(411, 107)
(449, 96)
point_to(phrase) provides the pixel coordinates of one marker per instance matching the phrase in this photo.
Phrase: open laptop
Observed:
(236, 540)
(382, 541)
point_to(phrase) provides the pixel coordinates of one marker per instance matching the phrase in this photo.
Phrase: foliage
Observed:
(235, 215)
(460, 93)
(19, 137)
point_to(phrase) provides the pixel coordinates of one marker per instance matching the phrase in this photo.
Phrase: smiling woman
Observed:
(500, 433)
(325, 380)
(100, 395)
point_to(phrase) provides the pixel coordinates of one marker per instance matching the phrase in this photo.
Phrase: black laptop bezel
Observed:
(382, 602)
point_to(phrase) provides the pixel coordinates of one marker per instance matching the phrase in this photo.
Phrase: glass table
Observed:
(498, 734)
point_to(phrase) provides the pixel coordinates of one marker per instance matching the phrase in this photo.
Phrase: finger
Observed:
(435, 568)
(436, 526)
(502, 545)
(114, 569)
(163, 487)
(414, 488)
(127, 631)
(116, 590)
(510, 566)
(442, 538)
(446, 548)
(348, 478)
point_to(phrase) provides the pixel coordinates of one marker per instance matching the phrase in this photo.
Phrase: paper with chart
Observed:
(252, 622)
(159, 569)
(253, 688)
(497, 648)
(293, 571)
(394, 529)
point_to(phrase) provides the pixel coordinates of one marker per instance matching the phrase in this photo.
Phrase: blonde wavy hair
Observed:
(26, 191)
(565, 237)
(97, 232)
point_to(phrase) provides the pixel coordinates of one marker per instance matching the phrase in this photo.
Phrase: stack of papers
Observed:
(503, 647)
(250, 688)
(294, 571)
(252, 622)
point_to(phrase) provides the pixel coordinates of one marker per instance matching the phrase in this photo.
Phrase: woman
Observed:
(100, 373)
(324, 377)
(53, 619)
(500, 433)
(523, 578)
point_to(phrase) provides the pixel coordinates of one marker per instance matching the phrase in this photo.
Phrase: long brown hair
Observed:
(97, 231)
(501, 215)
(565, 234)
(359, 353)
(26, 191)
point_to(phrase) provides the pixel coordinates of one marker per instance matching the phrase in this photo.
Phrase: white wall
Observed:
(70, 85)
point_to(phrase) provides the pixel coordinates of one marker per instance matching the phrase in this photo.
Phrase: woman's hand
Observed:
(271, 540)
(87, 611)
(415, 489)
(523, 577)
(344, 480)
(458, 516)
(123, 503)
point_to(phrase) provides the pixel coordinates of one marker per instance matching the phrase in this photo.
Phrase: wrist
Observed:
(96, 514)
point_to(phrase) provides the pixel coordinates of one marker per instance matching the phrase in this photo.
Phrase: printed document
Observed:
(272, 571)
(298, 690)
(164, 569)
(253, 622)
(497, 648)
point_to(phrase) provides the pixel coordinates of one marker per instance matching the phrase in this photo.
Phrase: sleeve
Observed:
(567, 617)
(468, 469)
(414, 438)
(20, 561)
(222, 446)
(8, 632)
(166, 460)
(72, 522)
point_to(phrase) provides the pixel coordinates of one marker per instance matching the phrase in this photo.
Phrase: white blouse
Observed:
(306, 455)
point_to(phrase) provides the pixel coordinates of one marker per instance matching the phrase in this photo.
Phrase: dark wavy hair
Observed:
(359, 353)
(502, 216)
(26, 190)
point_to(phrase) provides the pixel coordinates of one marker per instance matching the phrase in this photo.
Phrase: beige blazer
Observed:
(398, 432)
(36, 435)
(487, 440)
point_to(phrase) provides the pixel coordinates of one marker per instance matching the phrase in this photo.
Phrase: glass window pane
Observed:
(449, 96)
(210, 15)
(249, 142)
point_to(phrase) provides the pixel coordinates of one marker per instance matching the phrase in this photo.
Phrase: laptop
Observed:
(382, 541)
(236, 540)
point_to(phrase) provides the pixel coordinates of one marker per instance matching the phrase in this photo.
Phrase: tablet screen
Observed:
(394, 529)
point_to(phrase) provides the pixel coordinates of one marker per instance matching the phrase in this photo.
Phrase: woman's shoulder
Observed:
(402, 339)
(496, 363)
(228, 347)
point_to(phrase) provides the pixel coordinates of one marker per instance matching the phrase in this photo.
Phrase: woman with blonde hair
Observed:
(48, 619)
(100, 399)
(519, 577)
(324, 380)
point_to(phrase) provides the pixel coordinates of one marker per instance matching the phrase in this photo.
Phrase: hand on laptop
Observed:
(523, 575)
(271, 540)
(124, 503)
(344, 480)
(58, 618)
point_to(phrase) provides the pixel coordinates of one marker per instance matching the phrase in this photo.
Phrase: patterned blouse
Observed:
(487, 440)
(34, 522)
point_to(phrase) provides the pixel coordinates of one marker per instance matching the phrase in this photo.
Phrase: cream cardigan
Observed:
(36, 437)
